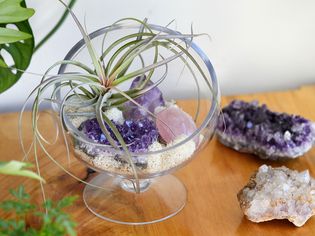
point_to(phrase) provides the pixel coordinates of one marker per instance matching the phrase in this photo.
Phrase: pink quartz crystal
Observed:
(173, 122)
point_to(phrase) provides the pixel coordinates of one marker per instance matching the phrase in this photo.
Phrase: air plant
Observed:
(99, 87)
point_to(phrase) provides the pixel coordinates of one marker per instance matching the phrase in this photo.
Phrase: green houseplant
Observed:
(53, 222)
(17, 40)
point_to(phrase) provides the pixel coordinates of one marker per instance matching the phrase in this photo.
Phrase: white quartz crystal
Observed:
(278, 193)
(115, 114)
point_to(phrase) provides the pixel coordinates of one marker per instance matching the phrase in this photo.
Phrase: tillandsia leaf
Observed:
(127, 53)
(96, 62)
(141, 30)
(55, 124)
(39, 142)
(156, 55)
(135, 53)
(41, 88)
(34, 125)
(195, 78)
(116, 53)
(143, 25)
(146, 69)
(126, 150)
(100, 119)
(121, 40)
(140, 48)
(145, 34)
(71, 62)
(186, 52)
(103, 119)
(152, 37)
(18, 168)
(142, 107)
(85, 96)
(182, 49)
(125, 56)
(86, 92)
(91, 74)
(118, 99)
(56, 27)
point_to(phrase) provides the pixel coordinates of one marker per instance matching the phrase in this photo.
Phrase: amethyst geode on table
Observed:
(248, 127)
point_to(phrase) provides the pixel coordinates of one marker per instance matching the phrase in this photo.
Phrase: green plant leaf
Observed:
(54, 222)
(12, 11)
(12, 35)
(56, 27)
(96, 62)
(20, 205)
(21, 53)
(19, 43)
(17, 168)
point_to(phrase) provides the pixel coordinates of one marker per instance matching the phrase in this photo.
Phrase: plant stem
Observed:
(56, 27)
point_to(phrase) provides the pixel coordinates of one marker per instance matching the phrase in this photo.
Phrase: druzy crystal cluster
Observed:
(248, 127)
(137, 135)
(278, 193)
(150, 100)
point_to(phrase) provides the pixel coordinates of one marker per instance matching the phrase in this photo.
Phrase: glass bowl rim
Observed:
(215, 87)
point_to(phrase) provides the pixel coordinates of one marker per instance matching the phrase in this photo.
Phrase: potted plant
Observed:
(118, 94)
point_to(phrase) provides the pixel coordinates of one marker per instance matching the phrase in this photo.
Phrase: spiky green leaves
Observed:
(55, 222)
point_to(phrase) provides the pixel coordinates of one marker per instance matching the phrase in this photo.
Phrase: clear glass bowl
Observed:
(161, 195)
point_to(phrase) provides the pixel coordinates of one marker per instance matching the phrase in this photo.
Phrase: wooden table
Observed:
(212, 179)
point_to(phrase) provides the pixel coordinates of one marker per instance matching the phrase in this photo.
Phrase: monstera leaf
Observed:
(16, 41)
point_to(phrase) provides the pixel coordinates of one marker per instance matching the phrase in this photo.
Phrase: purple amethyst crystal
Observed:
(248, 127)
(149, 100)
(137, 135)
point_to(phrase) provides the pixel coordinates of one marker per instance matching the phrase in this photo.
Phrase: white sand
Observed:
(155, 163)
(106, 161)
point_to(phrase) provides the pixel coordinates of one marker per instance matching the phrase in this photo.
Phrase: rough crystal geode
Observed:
(150, 100)
(248, 127)
(138, 135)
(278, 193)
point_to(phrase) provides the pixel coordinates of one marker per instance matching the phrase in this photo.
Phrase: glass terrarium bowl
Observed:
(112, 194)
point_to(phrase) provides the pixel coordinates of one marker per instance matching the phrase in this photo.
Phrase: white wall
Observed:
(257, 45)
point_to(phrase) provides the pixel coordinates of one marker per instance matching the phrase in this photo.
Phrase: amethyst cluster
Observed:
(150, 100)
(138, 135)
(248, 127)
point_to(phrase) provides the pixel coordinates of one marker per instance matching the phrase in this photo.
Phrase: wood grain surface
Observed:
(212, 179)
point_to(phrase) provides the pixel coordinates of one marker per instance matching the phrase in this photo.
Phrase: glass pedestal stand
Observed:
(159, 199)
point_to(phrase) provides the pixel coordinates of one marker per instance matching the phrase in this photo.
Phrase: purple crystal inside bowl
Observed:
(149, 100)
(138, 135)
(248, 127)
